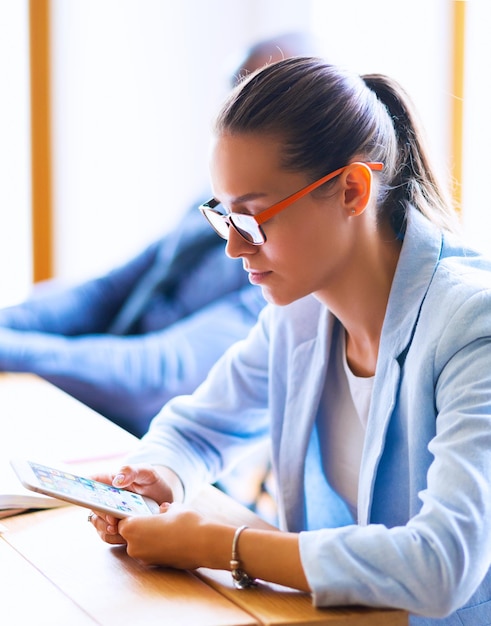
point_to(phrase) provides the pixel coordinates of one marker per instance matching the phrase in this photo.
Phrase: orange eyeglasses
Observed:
(249, 226)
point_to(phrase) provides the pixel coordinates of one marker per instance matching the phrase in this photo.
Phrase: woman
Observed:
(369, 368)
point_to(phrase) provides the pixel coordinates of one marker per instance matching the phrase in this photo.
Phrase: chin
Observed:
(279, 299)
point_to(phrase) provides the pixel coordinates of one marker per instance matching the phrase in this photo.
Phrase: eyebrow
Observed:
(248, 197)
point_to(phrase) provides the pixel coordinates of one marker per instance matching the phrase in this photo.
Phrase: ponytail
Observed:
(413, 179)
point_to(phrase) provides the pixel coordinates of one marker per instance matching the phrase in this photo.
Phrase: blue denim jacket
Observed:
(127, 342)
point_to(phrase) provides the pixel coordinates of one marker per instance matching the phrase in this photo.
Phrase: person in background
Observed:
(127, 342)
(367, 371)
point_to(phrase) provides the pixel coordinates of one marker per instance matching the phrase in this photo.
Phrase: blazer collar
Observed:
(420, 254)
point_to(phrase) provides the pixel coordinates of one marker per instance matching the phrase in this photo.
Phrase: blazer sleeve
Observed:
(202, 435)
(434, 562)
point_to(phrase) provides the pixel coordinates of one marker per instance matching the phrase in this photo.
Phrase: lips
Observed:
(256, 277)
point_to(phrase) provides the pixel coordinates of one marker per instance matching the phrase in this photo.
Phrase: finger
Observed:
(125, 477)
(106, 518)
(108, 531)
(115, 540)
(103, 478)
(141, 475)
(110, 520)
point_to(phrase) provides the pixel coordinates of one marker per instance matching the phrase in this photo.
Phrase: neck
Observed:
(359, 300)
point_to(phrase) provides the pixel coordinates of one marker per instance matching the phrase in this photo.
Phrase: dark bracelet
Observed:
(240, 578)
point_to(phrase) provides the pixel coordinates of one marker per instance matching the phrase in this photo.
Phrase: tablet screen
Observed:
(87, 490)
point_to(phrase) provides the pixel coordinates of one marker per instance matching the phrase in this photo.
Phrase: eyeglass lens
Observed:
(243, 224)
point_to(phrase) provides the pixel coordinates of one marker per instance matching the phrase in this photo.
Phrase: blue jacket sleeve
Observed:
(82, 309)
(128, 379)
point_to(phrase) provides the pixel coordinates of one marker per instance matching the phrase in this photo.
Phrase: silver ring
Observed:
(89, 518)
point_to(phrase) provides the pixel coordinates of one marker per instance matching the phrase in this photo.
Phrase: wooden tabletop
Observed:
(60, 573)
(55, 571)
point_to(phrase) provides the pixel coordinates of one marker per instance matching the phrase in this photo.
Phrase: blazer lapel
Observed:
(305, 384)
(419, 257)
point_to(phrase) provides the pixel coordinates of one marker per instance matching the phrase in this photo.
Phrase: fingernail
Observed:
(118, 479)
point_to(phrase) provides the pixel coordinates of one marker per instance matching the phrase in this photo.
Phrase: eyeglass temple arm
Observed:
(276, 208)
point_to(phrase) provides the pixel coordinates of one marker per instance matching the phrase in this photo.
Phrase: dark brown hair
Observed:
(327, 117)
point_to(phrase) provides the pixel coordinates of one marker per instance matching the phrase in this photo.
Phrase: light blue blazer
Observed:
(422, 541)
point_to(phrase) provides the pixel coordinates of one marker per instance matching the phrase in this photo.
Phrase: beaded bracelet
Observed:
(240, 578)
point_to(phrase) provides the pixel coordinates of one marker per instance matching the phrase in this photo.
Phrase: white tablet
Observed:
(85, 492)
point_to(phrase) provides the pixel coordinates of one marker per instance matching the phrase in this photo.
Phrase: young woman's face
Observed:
(308, 243)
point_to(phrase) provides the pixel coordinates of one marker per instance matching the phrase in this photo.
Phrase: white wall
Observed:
(476, 197)
(409, 41)
(136, 83)
(15, 190)
(412, 42)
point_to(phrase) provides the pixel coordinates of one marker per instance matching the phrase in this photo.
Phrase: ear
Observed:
(357, 183)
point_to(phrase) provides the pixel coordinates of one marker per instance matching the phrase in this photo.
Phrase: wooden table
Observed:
(55, 571)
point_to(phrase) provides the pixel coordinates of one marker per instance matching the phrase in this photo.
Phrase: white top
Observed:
(346, 402)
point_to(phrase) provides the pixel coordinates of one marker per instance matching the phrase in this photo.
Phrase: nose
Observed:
(237, 246)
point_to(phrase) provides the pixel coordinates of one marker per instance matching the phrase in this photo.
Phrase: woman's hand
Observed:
(178, 537)
(147, 480)
(182, 538)
(158, 483)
